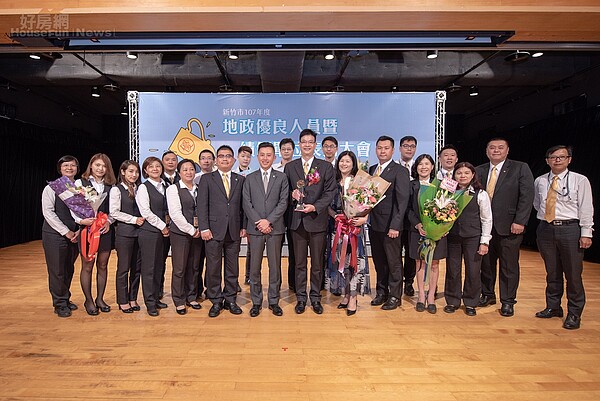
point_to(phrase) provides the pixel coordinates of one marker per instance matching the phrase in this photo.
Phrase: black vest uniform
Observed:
(158, 205)
(64, 214)
(469, 223)
(130, 207)
(188, 209)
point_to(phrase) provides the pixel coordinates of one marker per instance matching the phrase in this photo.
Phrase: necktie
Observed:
(491, 186)
(226, 184)
(378, 171)
(550, 214)
(306, 168)
(449, 174)
(265, 181)
(172, 179)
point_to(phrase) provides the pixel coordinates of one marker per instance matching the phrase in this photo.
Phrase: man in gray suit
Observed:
(509, 183)
(265, 199)
(221, 224)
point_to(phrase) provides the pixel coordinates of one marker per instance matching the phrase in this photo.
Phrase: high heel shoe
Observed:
(93, 311)
(342, 306)
(103, 309)
(135, 308)
(350, 312)
(126, 310)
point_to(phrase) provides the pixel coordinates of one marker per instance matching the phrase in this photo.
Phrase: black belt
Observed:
(562, 222)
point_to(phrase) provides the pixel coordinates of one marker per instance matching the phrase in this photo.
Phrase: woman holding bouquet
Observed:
(99, 175)
(423, 173)
(185, 238)
(468, 239)
(124, 210)
(348, 280)
(152, 203)
(59, 239)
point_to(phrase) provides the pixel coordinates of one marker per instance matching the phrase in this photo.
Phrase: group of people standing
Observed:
(202, 217)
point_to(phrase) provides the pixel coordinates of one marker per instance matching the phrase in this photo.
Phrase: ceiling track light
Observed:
(473, 91)
(537, 54)
(225, 88)
(517, 56)
(35, 56)
(95, 91)
(132, 55)
(453, 88)
(330, 55)
(431, 54)
(232, 55)
(124, 111)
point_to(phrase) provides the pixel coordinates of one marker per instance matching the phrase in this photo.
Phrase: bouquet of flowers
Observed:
(363, 194)
(440, 204)
(313, 176)
(84, 202)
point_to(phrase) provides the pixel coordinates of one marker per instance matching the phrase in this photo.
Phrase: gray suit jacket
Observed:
(270, 206)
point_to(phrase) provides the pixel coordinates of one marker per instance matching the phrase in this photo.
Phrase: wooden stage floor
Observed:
(373, 355)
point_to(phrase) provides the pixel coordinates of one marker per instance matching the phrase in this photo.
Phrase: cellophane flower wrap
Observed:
(364, 192)
(440, 204)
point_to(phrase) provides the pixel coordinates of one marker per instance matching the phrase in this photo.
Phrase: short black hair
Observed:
(226, 147)
(266, 145)
(306, 132)
(206, 151)
(385, 138)
(497, 138)
(168, 152)
(446, 147)
(553, 149)
(408, 138)
(182, 162)
(65, 159)
(244, 148)
(331, 139)
(287, 140)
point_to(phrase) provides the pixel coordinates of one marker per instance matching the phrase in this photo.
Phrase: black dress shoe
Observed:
(194, 305)
(233, 308)
(136, 308)
(486, 300)
(450, 308)
(92, 311)
(391, 304)
(255, 310)
(379, 300)
(336, 293)
(153, 312)
(350, 312)
(182, 311)
(431, 308)
(300, 307)
(126, 310)
(72, 306)
(549, 312)
(161, 305)
(572, 322)
(276, 309)
(215, 310)
(317, 307)
(507, 310)
(420, 307)
(342, 306)
(409, 291)
(470, 311)
(62, 311)
(247, 281)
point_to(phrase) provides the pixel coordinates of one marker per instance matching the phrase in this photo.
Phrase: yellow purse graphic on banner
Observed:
(187, 145)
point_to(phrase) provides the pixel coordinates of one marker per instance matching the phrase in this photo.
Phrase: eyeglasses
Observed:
(407, 146)
(307, 142)
(329, 146)
(225, 157)
(557, 158)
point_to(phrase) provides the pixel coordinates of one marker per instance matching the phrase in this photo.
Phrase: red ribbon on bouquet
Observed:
(348, 232)
(92, 237)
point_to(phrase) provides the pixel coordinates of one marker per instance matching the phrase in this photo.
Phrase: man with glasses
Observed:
(329, 145)
(408, 149)
(312, 184)
(563, 200)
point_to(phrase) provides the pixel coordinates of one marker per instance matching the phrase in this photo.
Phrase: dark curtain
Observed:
(580, 129)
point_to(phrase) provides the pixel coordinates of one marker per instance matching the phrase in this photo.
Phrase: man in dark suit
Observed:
(220, 218)
(265, 200)
(509, 184)
(386, 224)
(309, 225)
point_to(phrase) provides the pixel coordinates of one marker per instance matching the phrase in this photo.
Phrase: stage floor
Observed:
(373, 355)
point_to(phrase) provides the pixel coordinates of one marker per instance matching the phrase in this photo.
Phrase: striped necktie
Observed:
(491, 186)
(226, 184)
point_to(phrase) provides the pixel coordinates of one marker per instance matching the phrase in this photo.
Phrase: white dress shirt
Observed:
(115, 206)
(573, 201)
(485, 215)
(498, 169)
(174, 204)
(143, 201)
(279, 167)
(200, 174)
(49, 211)
(408, 165)
(442, 172)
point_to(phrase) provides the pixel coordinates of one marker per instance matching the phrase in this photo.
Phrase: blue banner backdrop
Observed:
(189, 122)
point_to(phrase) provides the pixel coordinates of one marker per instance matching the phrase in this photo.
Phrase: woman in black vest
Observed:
(59, 239)
(152, 204)
(99, 174)
(423, 172)
(185, 238)
(468, 239)
(125, 212)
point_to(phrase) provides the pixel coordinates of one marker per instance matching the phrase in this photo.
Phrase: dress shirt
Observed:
(442, 172)
(574, 200)
(49, 211)
(143, 201)
(99, 187)
(408, 165)
(498, 170)
(383, 166)
(279, 167)
(309, 161)
(171, 178)
(115, 206)
(200, 174)
(242, 172)
(485, 215)
(174, 206)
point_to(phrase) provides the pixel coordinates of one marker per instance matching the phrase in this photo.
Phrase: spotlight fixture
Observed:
(112, 87)
(95, 91)
(124, 111)
(35, 56)
(474, 91)
(517, 56)
(225, 88)
(431, 54)
(132, 55)
(537, 54)
(330, 55)
(453, 88)
(232, 55)
(394, 89)
(338, 88)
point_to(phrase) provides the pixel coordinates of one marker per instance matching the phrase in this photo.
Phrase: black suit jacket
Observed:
(390, 212)
(320, 194)
(513, 194)
(215, 211)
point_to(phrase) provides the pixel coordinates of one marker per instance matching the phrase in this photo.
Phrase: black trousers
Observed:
(454, 291)
(163, 266)
(503, 248)
(61, 255)
(387, 258)
(291, 259)
(201, 281)
(129, 268)
(185, 256)
(410, 265)
(222, 263)
(303, 240)
(559, 247)
(152, 247)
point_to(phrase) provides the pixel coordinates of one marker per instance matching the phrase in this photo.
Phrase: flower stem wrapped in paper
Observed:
(363, 194)
(440, 204)
(84, 202)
